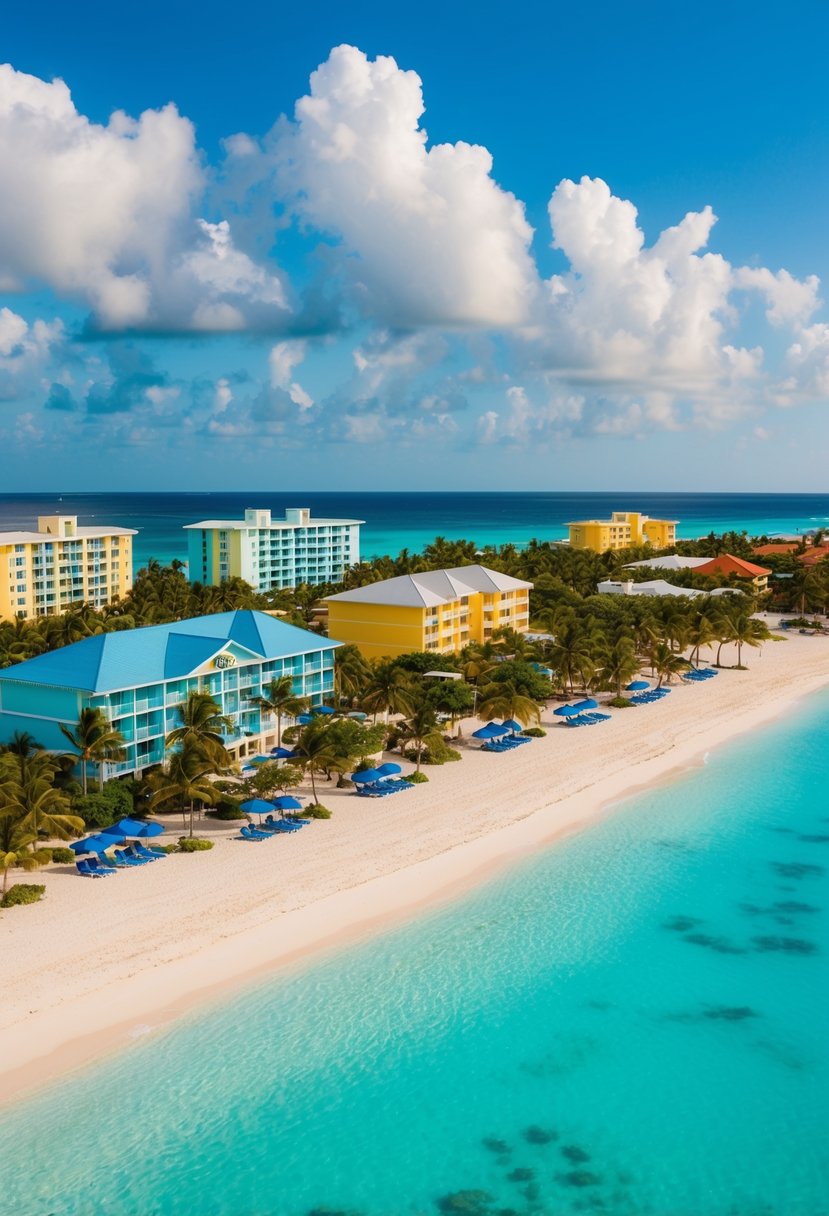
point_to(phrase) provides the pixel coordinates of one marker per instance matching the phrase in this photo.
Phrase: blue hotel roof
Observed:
(134, 657)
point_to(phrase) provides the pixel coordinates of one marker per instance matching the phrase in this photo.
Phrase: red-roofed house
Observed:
(810, 557)
(727, 564)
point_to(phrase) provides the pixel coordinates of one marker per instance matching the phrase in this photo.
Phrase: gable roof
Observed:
(673, 561)
(431, 588)
(135, 657)
(726, 563)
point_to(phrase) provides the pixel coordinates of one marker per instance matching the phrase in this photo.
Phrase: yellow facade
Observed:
(387, 630)
(624, 530)
(44, 573)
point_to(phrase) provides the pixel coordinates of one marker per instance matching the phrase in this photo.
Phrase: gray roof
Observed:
(26, 538)
(243, 525)
(674, 561)
(431, 588)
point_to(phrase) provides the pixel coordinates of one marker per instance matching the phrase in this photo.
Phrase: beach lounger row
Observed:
(507, 743)
(271, 828)
(379, 789)
(101, 866)
(587, 719)
(646, 698)
(699, 674)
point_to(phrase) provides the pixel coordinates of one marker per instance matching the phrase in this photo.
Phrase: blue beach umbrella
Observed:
(389, 769)
(133, 827)
(512, 725)
(486, 732)
(287, 803)
(366, 777)
(96, 843)
(588, 703)
(280, 753)
(323, 709)
(305, 719)
(567, 711)
(257, 806)
(637, 686)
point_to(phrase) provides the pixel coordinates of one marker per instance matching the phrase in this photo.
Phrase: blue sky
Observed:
(252, 277)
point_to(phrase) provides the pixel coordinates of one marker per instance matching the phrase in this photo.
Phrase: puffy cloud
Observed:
(435, 240)
(105, 214)
(25, 350)
(282, 360)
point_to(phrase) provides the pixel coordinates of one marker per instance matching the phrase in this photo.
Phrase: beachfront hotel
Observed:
(440, 610)
(45, 572)
(138, 677)
(273, 553)
(624, 530)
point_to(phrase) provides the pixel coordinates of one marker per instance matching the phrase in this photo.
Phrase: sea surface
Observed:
(412, 520)
(633, 1022)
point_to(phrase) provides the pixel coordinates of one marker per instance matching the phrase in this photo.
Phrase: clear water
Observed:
(411, 520)
(564, 995)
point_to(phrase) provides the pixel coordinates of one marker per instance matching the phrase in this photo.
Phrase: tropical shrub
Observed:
(22, 893)
(416, 778)
(621, 703)
(62, 856)
(536, 732)
(194, 844)
(438, 753)
(315, 810)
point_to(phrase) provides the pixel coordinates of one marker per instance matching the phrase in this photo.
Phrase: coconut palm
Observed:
(620, 664)
(389, 691)
(95, 741)
(665, 663)
(351, 673)
(746, 630)
(314, 751)
(28, 797)
(22, 744)
(280, 700)
(701, 632)
(16, 849)
(202, 730)
(421, 729)
(184, 780)
(573, 652)
(503, 700)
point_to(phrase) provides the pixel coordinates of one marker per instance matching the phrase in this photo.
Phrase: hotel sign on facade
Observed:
(224, 660)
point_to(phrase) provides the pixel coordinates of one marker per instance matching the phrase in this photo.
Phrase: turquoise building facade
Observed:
(138, 677)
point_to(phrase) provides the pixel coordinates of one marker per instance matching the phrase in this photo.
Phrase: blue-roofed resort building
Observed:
(139, 676)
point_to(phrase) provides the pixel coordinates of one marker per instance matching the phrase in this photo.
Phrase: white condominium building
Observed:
(273, 553)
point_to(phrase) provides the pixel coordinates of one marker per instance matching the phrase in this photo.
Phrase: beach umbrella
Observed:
(323, 709)
(389, 769)
(485, 732)
(512, 725)
(588, 703)
(305, 719)
(566, 711)
(287, 803)
(366, 776)
(96, 843)
(257, 806)
(133, 827)
(637, 686)
(281, 753)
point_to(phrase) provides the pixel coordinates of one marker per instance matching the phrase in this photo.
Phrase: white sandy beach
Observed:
(96, 965)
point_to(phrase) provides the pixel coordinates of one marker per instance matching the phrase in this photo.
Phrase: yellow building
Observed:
(624, 530)
(43, 573)
(440, 610)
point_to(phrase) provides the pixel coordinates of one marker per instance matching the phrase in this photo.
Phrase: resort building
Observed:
(440, 610)
(658, 586)
(808, 557)
(139, 676)
(726, 564)
(624, 530)
(273, 553)
(45, 572)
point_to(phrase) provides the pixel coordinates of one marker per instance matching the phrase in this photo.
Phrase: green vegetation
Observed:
(59, 856)
(194, 844)
(315, 810)
(22, 893)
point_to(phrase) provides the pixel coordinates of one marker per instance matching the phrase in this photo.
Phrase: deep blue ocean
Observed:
(411, 520)
(632, 1023)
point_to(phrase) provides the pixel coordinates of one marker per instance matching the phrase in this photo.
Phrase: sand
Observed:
(98, 964)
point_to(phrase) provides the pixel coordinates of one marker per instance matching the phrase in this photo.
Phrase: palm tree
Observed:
(701, 633)
(351, 673)
(620, 664)
(279, 700)
(503, 700)
(421, 729)
(28, 797)
(572, 654)
(16, 850)
(202, 729)
(184, 780)
(314, 752)
(665, 663)
(746, 630)
(389, 691)
(95, 741)
(22, 744)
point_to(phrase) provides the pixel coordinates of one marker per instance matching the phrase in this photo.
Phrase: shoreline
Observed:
(144, 994)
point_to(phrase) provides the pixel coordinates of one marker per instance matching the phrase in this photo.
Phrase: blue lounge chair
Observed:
(101, 863)
(272, 825)
(124, 857)
(150, 854)
(133, 851)
(251, 833)
(87, 871)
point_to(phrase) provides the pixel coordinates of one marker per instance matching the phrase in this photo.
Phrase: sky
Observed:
(453, 247)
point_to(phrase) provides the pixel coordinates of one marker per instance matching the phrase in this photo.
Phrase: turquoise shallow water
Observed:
(652, 994)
